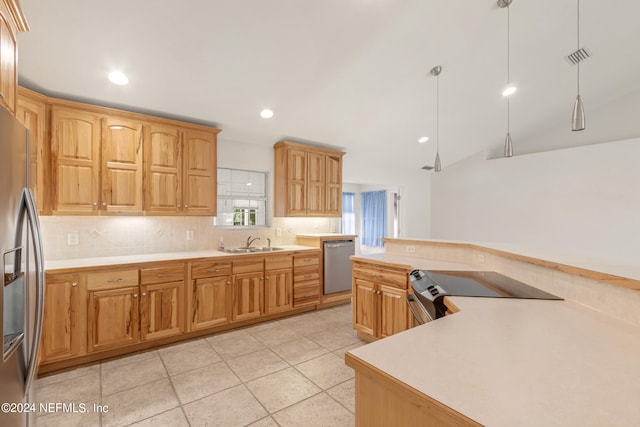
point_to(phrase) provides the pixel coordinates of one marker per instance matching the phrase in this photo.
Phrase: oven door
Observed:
(419, 311)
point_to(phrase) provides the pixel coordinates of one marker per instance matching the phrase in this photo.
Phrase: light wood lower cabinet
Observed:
(380, 300)
(113, 318)
(278, 288)
(211, 294)
(62, 326)
(306, 279)
(161, 310)
(248, 296)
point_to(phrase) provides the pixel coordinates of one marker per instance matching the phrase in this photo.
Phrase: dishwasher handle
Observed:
(412, 299)
(338, 243)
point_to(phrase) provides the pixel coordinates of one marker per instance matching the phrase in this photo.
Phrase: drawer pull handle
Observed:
(118, 280)
(164, 275)
(307, 276)
(215, 270)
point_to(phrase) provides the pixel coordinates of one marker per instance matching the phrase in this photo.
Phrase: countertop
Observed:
(330, 235)
(165, 256)
(505, 362)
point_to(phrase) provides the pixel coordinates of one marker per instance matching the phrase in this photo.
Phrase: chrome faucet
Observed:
(269, 243)
(250, 241)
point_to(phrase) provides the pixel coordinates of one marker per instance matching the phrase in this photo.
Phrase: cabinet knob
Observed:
(267, 277)
(2, 95)
(144, 294)
(186, 206)
(95, 204)
(104, 204)
(135, 295)
(178, 205)
(74, 284)
(228, 283)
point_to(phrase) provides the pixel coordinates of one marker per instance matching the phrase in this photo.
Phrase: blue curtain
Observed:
(348, 213)
(374, 217)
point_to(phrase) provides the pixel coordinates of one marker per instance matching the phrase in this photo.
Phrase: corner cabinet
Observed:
(308, 180)
(380, 299)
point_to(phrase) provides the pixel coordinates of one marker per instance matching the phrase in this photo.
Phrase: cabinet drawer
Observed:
(305, 260)
(302, 274)
(111, 280)
(202, 269)
(380, 275)
(276, 262)
(169, 273)
(248, 266)
(306, 293)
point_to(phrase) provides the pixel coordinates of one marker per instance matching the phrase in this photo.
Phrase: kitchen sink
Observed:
(251, 250)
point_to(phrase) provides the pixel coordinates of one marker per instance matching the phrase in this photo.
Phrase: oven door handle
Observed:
(412, 299)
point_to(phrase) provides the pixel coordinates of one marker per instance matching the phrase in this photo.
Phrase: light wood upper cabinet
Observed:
(62, 329)
(180, 171)
(199, 153)
(121, 165)
(12, 21)
(333, 188)
(163, 169)
(308, 180)
(75, 155)
(32, 112)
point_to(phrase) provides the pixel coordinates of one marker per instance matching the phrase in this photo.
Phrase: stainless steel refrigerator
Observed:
(22, 296)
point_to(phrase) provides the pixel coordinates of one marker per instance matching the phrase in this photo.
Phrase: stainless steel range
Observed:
(430, 288)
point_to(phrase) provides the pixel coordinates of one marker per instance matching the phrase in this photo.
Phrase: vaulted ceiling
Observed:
(352, 74)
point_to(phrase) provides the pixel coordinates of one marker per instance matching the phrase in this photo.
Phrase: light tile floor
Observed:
(288, 372)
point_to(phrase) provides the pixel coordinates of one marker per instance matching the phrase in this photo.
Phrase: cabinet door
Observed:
(297, 182)
(315, 183)
(278, 288)
(161, 310)
(393, 310)
(32, 114)
(112, 318)
(365, 307)
(8, 65)
(248, 296)
(211, 302)
(163, 169)
(199, 152)
(61, 326)
(121, 165)
(75, 155)
(333, 187)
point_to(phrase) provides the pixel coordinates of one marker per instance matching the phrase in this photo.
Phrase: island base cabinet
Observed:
(393, 311)
(161, 310)
(211, 302)
(365, 307)
(113, 318)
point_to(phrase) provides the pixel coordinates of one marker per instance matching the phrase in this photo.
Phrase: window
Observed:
(348, 213)
(242, 198)
(374, 217)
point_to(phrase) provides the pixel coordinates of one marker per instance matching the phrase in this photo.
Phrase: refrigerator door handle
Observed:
(29, 206)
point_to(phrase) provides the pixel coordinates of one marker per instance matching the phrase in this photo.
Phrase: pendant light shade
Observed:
(577, 117)
(510, 89)
(435, 71)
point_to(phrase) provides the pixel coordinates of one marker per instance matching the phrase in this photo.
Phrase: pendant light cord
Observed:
(578, 48)
(508, 62)
(438, 113)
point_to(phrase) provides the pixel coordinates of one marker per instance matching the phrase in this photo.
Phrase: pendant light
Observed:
(577, 118)
(510, 89)
(435, 71)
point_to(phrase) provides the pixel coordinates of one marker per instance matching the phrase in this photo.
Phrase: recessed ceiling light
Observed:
(248, 184)
(118, 78)
(266, 114)
(509, 90)
(423, 139)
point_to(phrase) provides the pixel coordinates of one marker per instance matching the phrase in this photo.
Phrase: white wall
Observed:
(580, 201)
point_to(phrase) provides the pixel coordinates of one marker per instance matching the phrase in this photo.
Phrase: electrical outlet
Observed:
(278, 232)
(411, 249)
(189, 234)
(73, 239)
(481, 258)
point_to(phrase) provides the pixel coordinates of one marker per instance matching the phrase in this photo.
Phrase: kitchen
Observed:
(571, 193)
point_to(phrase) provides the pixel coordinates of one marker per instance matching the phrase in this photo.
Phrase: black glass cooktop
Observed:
(486, 284)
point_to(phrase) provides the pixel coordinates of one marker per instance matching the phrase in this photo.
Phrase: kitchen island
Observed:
(504, 362)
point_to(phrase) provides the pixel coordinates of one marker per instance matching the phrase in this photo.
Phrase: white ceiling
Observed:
(352, 74)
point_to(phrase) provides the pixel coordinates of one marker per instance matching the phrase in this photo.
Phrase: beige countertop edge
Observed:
(627, 276)
(505, 362)
(55, 266)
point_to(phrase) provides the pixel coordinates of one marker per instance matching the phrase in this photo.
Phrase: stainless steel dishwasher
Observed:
(337, 265)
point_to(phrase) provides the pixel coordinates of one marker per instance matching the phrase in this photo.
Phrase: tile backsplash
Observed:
(133, 235)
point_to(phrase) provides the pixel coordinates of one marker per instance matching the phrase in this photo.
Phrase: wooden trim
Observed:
(308, 147)
(15, 10)
(383, 400)
(553, 265)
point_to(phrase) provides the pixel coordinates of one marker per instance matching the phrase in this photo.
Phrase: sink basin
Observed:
(250, 250)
